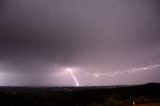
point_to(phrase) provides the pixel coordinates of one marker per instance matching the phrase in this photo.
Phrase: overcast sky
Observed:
(103, 42)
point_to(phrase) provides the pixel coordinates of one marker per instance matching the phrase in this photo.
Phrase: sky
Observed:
(79, 42)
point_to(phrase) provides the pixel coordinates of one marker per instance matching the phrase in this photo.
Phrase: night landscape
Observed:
(81, 96)
(79, 53)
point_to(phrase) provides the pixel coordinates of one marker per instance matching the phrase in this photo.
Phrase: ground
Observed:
(150, 104)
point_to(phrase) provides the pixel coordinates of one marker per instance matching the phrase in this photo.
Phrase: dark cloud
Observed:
(109, 35)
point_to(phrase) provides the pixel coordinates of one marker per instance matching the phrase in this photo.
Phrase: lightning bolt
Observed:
(112, 74)
(73, 76)
(143, 68)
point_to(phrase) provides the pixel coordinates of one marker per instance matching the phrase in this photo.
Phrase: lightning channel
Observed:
(73, 76)
(130, 71)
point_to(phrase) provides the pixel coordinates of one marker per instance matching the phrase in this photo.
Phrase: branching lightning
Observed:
(73, 76)
(112, 74)
(115, 73)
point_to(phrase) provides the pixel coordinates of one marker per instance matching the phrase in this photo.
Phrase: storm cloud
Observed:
(40, 38)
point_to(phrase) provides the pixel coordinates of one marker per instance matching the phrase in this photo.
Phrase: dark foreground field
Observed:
(148, 104)
(142, 95)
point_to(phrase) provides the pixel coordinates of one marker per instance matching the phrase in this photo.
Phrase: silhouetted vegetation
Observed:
(126, 102)
(80, 96)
